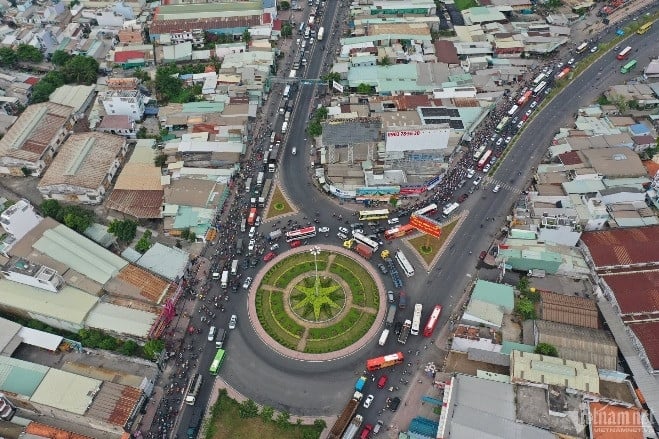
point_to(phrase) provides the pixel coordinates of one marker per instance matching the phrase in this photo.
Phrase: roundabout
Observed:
(316, 303)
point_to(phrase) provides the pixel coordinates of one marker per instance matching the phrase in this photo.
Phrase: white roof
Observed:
(40, 339)
(129, 321)
(66, 391)
(168, 262)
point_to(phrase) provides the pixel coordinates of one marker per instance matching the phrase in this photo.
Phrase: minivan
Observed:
(252, 231)
(211, 333)
(294, 151)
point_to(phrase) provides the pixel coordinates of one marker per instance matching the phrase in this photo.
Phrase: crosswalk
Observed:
(489, 183)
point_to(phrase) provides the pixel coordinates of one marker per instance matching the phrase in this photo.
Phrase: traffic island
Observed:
(428, 247)
(278, 206)
(317, 302)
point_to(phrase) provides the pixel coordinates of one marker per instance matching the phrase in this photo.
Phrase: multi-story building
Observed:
(123, 102)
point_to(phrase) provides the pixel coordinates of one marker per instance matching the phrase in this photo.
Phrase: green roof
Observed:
(497, 294)
(21, 377)
(508, 346)
(203, 107)
(388, 79)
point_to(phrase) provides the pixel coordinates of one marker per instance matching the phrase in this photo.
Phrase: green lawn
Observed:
(428, 254)
(278, 205)
(465, 4)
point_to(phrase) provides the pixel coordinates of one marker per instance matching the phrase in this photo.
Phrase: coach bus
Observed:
(432, 321)
(582, 47)
(217, 362)
(624, 53)
(538, 79)
(252, 216)
(513, 110)
(539, 88)
(484, 160)
(416, 319)
(502, 124)
(628, 67)
(643, 29)
(304, 233)
(404, 264)
(449, 209)
(368, 242)
(563, 73)
(430, 209)
(398, 232)
(193, 389)
(373, 215)
(525, 98)
(378, 363)
(479, 152)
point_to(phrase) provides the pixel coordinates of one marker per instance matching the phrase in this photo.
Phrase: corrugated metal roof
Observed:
(557, 371)
(168, 262)
(569, 309)
(130, 321)
(496, 294)
(623, 247)
(36, 429)
(80, 253)
(8, 330)
(66, 391)
(40, 339)
(21, 377)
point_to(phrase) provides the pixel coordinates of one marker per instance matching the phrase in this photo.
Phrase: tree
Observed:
(364, 89)
(141, 75)
(320, 424)
(525, 308)
(124, 230)
(27, 53)
(283, 418)
(60, 57)
(321, 113)
(128, 348)
(81, 70)
(167, 83)
(77, 222)
(247, 37)
(523, 284)
(48, 84)
(144, 243)
(7, 57)
(385, 61)
(266, 413)
(248, 409)
(50, 208)
(393, 201)
(314, 129)
(286, 30)
(546, 349)
(153, 348)
(284, 5)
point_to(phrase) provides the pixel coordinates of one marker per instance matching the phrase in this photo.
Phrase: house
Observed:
(118, 124)
(124, 102)
(541, 369)
(84, 168)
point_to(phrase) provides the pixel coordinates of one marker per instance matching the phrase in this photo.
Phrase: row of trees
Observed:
(77, 69)
(314, 128)
(23, 53)
(74, 217)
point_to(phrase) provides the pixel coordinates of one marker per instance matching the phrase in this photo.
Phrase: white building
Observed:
(123, 102)
(19, 219)
(35, 275)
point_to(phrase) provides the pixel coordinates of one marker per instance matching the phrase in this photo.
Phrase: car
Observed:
(520, 124)
(462, 197)
(394, 403)
(356, 226)
(343, 230)
(477, 181)
(323, 229)
(274, 246)
(248, 282)
(211, 333)
(382, 381)
(528, 112)
(500, 141)
(496, 188)
(251, 245)
(515, 120)
(245, 264)
(534, 104)
(393, 221)
(470, 173)
(252, 231)
(378, 426)
(594, 49)
(524, 118)
(493, 138)
(493, 160)
(233, 321)
(367, 402)
(570, 62)
(295, 243)
(254, 262)
(487, 167)
(390, 297)
(398, 326)
(402, 300)
(366, 431)
(482, 255)
(548, 90)
(268, 256)
(342, 235)
(383, 269)
(258, 221)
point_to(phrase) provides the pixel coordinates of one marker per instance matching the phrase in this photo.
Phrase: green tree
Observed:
(167, 83)
(385, 61)
(364, 89)
(124, 230)
(160, 160)
(248, 409)
(247, 37)
(286, 30)
(321, 113)
(314, 128)
(320, 424)
(266, 413)
(50, 208)
(153, 348)
(27, 53)
(141, 75)
(81, 70)
(76, 218)
(48, 84)
(523, 284)
(393, 201)
(7, 57)
(546, 349)
(144, 243)
(284, 5)
(128, 348)
(283, 419)
(525, 308)
(108, 343)
(59, 57)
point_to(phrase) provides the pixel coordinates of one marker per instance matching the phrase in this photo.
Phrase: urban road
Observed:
(322, 388)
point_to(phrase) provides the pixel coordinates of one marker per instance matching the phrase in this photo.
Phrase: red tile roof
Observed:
(276, 25)
(570, 158)
(621, 248)
(140, 204)
(206, 24)
(43, 430)
(128, 55)
(648, 335)
(266, 18)
(31, 80)
(636, 292)
(615, 422)
(446, 52)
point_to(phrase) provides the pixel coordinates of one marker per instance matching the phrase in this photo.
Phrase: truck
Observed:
(195, 422)
(391, 316)
(353, 428)
(224, 282)
(274, 235)
(292, 74)
(536, 273)
(345, 417)
(284, 127)
(287, 116)
(234, 267)
(259, 179)
(361, 382)
(239, 246)
(364, 251)
(405, 332)
(321, 32)
(272, 163)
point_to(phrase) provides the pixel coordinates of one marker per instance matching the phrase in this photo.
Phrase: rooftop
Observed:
(19, 376)
(572, 310)
(635, 292)
(648, 334)
(557, 371)
(46, 431)
(66, 391)
(608, 421)
(497, 294)
(623, 248)
(615, 162)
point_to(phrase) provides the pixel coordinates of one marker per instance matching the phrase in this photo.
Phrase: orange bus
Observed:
(386, 361)
(398, 232)
(432, 321)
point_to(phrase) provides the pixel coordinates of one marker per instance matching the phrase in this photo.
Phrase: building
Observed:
(79, 97)
(535, 368)
(572, 310)
(84, 169)
(17, 220)
(120, 125)
(31, 143)
(123, 102)
(488, 303)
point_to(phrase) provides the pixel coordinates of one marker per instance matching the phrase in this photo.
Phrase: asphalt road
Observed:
(316, 389)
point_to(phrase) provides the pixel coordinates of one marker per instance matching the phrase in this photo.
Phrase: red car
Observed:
(382, 382)
(268, 256)
(462, 197)
(366, 431)
(482, 255)
(296, 243)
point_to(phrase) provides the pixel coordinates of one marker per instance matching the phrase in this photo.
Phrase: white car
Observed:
(252, 231)
(247, 282)
(323, 229)
(508, 139)
(470, 173)
(274, 246)
(570, 62)
(367, 402)
(534, 104)
(487, 167)
(496, 189)
(594, 49)
(343, 230)
(477, 181)
(342, 235)
(393, 221)
(500, 141)
(233, 321)
(252, 244)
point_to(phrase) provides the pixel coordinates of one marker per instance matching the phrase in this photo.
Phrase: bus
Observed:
(321, 32)
(628, 67)
(484, 160)
(502, 125)
(538, 79)
(430, 209)
(643, 29)
(525, 98)
(368, 242)
(372, 215)
(217, 362)
(582, 47)
(539, 88)
(378, 363)
(513, 110)
(450, 208)
(479, 152)
(416, 320)
(398, 232)
(404, 264)
(287, 91)
(624, 53)
(432, 321)
(304, 233)
(252, 216)
(563, 73)
(193, 389)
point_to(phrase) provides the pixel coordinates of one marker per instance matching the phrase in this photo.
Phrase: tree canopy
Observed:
(59, 57)
(546, 349)
(28, 53)
(124, 230)
(74, 217)
(170, 87)
(77, 69)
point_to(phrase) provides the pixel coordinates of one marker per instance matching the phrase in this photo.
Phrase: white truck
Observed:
(321, 32)
(234, 267)
(284, 127)
(353, 428)
(224, 282)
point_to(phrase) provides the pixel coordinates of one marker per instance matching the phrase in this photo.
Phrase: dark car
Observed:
(382, 382)
(398, 326)
(254, 262)
(482, 255)
(394, 403)
(402, 300)
(383, 269)
(295, 243)
(462, 197)
(245, 264)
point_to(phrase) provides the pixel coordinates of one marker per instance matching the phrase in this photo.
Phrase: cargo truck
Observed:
(259, 179)
(364, 251)
(391, 315)
(405, 332)
(224, 282)
(284, 127)
(353, 428)
(274, 235)
(195, 422)
(345, 417)
(361, 382)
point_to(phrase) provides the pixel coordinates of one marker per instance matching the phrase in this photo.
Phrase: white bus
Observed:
(287, 91)
(404, 264)
(539, 88)
(366, 241)
(234, 267)
(193, 389)
(416, 320)
(513, 110)
(450, 208)
(538, 79)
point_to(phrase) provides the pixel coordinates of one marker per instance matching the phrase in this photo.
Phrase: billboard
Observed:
(417, 139)
(426, 225)
(336, 86)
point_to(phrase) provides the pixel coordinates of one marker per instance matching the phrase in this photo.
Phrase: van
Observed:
(219, 340)
(383, 337)
(294, 151)
(243, 225)
(239, 247)
(211, 333)
(252, 231)
(377, 427)
(216, 276)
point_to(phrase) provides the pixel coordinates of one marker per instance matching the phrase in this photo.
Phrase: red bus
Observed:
(307, 232)
(397, 232)
(525, 98)
(386, 361)
(624, 53)
(563, 73)
(483, 161)
(252, 216)
(432, 321)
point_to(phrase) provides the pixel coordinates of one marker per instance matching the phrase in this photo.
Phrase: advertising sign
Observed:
(336, 86)
(417, 139)
(426, 225)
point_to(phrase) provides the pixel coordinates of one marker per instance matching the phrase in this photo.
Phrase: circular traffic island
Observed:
(317, 301)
